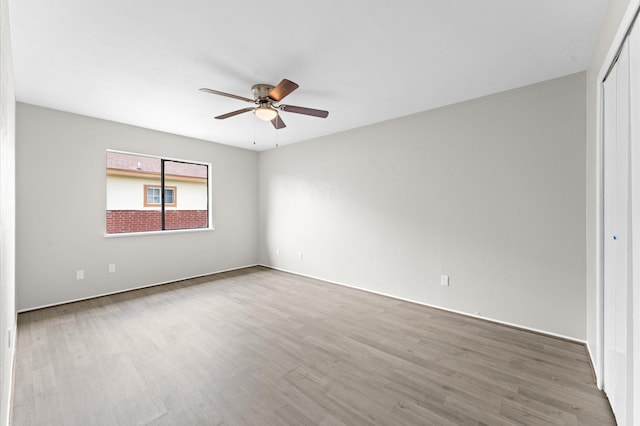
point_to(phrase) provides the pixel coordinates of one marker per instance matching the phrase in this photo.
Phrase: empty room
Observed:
(319, 213)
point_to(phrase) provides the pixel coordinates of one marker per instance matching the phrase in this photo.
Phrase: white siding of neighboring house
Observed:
(127, 193)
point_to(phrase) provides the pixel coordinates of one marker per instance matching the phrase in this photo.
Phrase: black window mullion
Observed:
(208, 212)
(162, 193)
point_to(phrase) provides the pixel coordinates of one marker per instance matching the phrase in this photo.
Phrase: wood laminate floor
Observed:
(262, 347)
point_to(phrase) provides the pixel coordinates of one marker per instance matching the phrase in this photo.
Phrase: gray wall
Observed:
(61, 203)
(615, 12)
(490, 192)
(7, 214)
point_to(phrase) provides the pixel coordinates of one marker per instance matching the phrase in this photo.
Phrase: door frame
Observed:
(631, 13)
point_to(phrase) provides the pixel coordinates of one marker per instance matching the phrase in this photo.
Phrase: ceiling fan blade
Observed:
(228, 95)
(306, 111)
(278, 123)
(283, 88)
(231, 114)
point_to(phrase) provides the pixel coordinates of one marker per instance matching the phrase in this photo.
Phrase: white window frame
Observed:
(211, 226)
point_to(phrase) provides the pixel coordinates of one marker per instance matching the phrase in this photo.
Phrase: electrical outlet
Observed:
(79, 275)
(300, 255)
(444, 280)
(277, 252)
(112, 268)
(9, 342)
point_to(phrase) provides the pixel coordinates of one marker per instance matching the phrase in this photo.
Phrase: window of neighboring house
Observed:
(152, 196)
(156, 208)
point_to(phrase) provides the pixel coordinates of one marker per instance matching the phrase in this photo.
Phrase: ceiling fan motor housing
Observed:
(261, 91)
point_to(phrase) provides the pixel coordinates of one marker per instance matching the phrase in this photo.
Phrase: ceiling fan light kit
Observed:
(265, 96)
(265, 112)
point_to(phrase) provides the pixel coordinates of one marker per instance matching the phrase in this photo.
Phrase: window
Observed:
(142, 194)
(152, 196)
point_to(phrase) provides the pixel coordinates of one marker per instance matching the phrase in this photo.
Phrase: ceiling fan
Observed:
(265, 96)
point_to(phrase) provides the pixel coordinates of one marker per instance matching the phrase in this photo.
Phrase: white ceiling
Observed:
(142, 62)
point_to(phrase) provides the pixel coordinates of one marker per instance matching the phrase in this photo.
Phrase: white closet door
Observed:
(634, 140)
(617, 318)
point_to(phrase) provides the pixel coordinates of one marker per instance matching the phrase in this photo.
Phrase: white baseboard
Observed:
(497, 321)
(594, 368)
(467, 314)
(135, 288)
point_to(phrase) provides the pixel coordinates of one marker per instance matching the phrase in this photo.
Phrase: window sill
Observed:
(169, 231)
